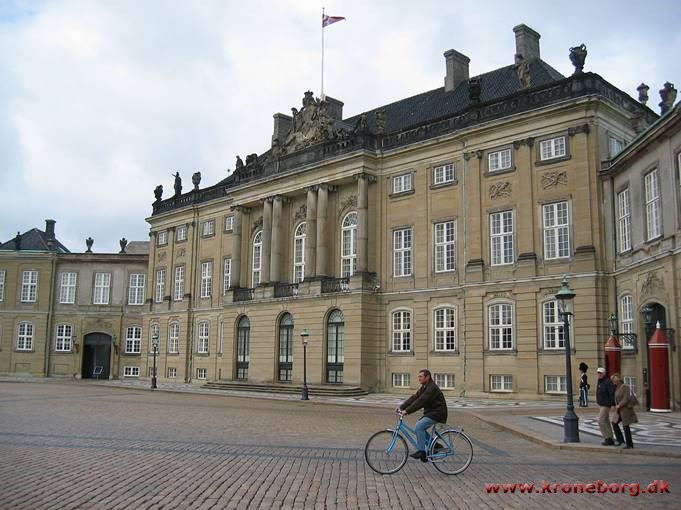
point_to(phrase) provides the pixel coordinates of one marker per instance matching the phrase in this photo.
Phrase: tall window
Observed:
(181, 233)
(615, 145)
(64, 338)
(335, 347)
(285, 364)
(445, 329)
(208, 228)
(133, 340)
(202, 344)
(29, 286)
(299, 253)
(257, 258)
(243, 341)
(499, 160)
(556, 231)
(226, 274)
(174, 338)
(67, 289)
(162, 238)
(206, 279)
(500, 324)
(160, 285)
(624, 220)
(501, 234)
(178, 290)
(402, 252)
(136, 289)
(653, 219)
(25, 336)
(552, 148)
(627, 320)
(401, 331)
(102, 286)
(2, 284)
(553, 326)
(443, 174)
(402, 183)
(229, 223)
(445, 246)
(349, 245)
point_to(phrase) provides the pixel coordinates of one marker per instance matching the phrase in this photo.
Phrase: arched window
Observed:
(500, 327)
(335, 357)
(174, 338)
(285, 364)
(349, 245)
(444, 319)
(257, 258)
(627, 321)
(243, 340)
(401, 331)
(299, 253)
(203, 340)
(554, 338)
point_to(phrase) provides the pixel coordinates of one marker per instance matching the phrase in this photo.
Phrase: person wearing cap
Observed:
(584, 385)
(605, 398)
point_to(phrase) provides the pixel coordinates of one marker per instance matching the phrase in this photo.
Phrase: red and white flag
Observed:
(328, 20)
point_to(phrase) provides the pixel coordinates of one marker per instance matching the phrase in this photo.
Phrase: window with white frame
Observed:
(181, 233)
(133, 340)
(102, 287)
(632, 383)
(552, 148)
(162, 238)
(201, 373)
(615, 145)
(444, 381)
(299, 253)
(499, 160)
(500, 382)
(555, 384)
(624, 220)
(171, 373)
(206, 279)
(202, 344)
(257, 259)
(402, 252)
(208, 228)
(443, 174)
(226, 274)
(653, 218)
(64, 338)
(554, 337)
(29, 286)
(401, 380)
(136, 289)
(349, 245)
(401, 331)
(500, 326)
(25, 336)
(556, 230)
(445, 246)
(67, 287)
(160, 285)
(178, 290)
(402, 183)
(229, 223)
(627, 321)
(2, 284)
(174, 338)
(131, 371)
(445, 329)
(501, 237)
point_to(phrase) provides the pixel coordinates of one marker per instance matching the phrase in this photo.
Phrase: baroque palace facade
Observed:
(430, 232)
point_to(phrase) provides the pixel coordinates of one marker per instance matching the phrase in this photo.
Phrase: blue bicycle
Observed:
(450, 450)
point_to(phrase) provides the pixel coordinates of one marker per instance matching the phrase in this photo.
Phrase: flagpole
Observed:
(322, 92)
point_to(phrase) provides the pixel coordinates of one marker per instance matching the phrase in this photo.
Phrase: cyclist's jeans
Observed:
(422, 436)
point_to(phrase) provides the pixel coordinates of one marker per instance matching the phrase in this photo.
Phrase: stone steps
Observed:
(315, 390)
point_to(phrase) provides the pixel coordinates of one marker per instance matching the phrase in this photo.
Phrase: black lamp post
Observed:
(647, 312)
(304, 335)
(612, 320)
(570, 421)
(154, 346)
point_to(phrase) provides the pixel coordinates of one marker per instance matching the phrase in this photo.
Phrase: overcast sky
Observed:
(101, 100)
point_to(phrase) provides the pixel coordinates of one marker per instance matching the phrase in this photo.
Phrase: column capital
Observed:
(313, 187)
(328, 187)
(365, 175)
(240, 208)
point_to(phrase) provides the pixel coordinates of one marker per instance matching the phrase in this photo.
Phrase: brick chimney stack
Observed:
(456, 69)
(526, 42)
(49, 233)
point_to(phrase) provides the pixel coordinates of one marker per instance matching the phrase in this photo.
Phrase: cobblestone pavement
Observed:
(71, 445)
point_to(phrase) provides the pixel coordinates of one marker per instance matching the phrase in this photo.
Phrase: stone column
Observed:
(266, 240)
(311, 233)
(236, 246)
(275, 255)
(362, 222)
(322, 248)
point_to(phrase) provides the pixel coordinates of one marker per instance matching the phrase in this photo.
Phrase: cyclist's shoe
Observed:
(420, 454)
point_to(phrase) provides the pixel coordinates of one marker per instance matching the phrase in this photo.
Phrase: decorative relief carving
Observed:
(500, 189)
(348, 202)
(502, 295)
(524, 141)
(180, 252)
(161, 256)
(257, 224)
(301, 213)
(553, 179)
(652, 284)
(311, 125)
(584, 128)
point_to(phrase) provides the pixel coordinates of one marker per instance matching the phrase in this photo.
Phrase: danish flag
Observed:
(328, 20)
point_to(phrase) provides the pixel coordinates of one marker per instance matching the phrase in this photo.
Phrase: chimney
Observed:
(526, 42)
(49, 233)
(335, 109)
(282, 126)
(456, 65)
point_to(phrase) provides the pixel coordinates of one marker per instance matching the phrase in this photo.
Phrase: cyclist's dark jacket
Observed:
(430, 398)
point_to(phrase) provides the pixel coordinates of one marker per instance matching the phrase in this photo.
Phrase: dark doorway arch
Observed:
(96, 353)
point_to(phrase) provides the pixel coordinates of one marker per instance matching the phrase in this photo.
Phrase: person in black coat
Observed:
(605, 398)
(430, 398)
(584, 385)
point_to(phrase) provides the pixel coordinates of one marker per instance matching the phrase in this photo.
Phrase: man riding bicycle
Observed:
(430, 398)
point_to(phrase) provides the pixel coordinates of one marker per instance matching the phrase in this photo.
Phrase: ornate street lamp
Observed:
(647, 312)
(570, 421)
(154, 345)
(304, 335)
(612, 320)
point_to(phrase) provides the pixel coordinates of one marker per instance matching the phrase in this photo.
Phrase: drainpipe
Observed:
(50, 313)
(464, 172)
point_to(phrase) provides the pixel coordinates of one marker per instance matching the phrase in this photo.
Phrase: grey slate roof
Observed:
(33, 240)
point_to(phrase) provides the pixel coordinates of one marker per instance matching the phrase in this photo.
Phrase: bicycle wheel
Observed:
(452, 452)
(386, 453)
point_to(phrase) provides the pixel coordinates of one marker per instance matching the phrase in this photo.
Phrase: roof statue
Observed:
(311, 125)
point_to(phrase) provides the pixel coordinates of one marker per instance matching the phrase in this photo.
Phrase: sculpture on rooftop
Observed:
(178, 184)
(196, 180)
(578, 57)
(522, 69)
(310, 125)
(158, 192)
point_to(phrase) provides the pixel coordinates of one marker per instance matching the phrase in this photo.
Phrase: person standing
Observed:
(584, 386)
(605, 398)
(624, 405)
